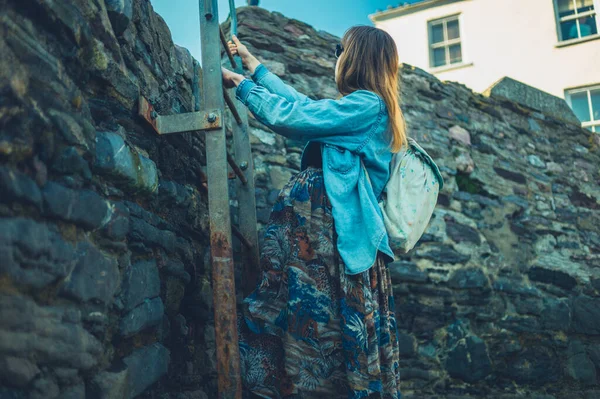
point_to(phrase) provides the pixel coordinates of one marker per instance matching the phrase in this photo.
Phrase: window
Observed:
(576, 19)
(585, 102)
(445, 47)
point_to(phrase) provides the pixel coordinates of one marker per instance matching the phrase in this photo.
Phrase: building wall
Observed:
(501, 38)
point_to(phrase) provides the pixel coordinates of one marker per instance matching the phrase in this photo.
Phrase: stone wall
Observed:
(501, 298)
(104, 285)
(103, 227)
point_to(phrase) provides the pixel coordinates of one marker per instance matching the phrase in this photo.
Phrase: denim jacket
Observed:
(343, 131)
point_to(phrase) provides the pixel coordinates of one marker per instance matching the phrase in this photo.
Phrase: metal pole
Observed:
(228, 356)
(245, 192)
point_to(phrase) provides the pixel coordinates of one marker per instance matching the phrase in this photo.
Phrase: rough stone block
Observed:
(145, 367)
(148, 314)
(586, 315)
(95, 277)
(83, 207)
(33, 255)
(141, 281)
(120, 13)
(470, 278)
(522, 93)
(142, 231)
(115, 158)
(469, 360)
(52, 335)
(16, 186)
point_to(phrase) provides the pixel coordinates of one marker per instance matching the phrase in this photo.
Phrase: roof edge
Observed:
(410, 8)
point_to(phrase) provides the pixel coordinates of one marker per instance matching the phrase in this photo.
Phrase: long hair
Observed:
(370, 62)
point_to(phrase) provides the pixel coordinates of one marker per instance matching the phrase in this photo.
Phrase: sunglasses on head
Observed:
(338, 50)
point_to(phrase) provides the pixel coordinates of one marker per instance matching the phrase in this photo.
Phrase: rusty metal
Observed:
(146, 111)
(232, 107)
(227, 50)
(179, 123)
(236, 169)
(226, 335)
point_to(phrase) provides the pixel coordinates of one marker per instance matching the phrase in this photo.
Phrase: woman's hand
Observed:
(231, 79)
(240, 49)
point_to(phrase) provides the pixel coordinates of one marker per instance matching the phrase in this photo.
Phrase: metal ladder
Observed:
(210, 120)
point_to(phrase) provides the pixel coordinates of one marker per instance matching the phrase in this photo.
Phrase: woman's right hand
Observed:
(236, 47)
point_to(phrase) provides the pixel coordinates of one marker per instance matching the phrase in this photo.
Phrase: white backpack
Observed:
(410, 195)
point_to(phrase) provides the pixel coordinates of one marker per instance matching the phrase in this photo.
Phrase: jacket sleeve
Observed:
(263, 77)
(317, 120)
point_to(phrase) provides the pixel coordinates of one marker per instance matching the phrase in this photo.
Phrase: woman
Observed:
(321, 321)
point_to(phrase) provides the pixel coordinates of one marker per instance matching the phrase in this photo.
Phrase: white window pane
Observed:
(437, 33)
(584, 5)
(453, 31)
(439, 57)
(587, 26)
(565, 8)
(455, 53)
(569, 30)
(580, 105)
(595, 94)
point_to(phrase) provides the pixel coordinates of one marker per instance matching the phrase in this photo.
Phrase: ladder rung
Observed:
(232, 107)
(224, 41)
(236, 232)
(236, 169)
(179, 123)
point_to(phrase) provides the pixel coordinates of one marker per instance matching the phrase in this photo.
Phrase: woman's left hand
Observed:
(230, 79)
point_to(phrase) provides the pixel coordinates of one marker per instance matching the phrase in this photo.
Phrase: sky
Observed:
(333, 16)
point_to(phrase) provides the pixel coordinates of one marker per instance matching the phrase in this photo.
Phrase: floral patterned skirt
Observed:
(309, 330)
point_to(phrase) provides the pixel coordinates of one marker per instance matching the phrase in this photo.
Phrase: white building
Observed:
(549, 44)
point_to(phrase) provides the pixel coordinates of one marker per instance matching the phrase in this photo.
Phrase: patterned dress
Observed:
(309, 330)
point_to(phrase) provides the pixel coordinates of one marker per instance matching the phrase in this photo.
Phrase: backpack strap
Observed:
(427, 159)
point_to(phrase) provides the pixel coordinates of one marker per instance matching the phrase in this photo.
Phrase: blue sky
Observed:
(333, 16)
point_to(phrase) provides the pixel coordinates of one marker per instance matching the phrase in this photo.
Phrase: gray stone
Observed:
(555, 277)
(32, 254)
(110, 385)
(140, 282)
(52, 335)
(586, 315)
(536, 161)
(148, 314)
(146, 366)
(405, 271)
(134, 171)
(74, 392)
(579, 365)
(469, 278)
(461, 135)
(142, 231)
(556, 314)
(70, 162)
(95, 276)
(17, 186)
(531, 97)
(118, 225)
(120, 13)
(83, 207)
(17, 371)
(469, 360)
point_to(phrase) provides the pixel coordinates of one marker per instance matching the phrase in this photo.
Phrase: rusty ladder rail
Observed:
(210, 120)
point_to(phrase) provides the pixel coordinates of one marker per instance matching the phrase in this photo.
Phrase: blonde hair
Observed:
(370, 62)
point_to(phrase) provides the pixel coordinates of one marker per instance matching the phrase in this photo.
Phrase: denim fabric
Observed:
(343, 131)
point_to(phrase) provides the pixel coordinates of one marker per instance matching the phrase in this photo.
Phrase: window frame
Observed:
(446, 44)
(593, 124)
(576, 17)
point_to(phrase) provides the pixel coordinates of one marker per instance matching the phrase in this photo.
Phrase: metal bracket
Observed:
(179, 123)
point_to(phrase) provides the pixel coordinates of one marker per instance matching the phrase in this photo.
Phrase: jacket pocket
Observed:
(339, 159)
